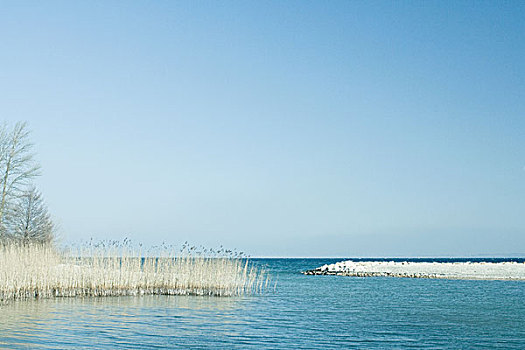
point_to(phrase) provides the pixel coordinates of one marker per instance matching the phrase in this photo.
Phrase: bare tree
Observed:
(17, 167)
(30, 220)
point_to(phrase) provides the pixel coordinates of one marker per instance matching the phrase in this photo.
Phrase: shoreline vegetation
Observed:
(443, 270)
(42, 271)
(33, 266)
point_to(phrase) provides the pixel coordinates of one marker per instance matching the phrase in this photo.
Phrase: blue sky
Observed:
(281, 128)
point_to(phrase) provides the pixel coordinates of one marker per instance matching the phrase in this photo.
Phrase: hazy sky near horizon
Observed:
(281, 128)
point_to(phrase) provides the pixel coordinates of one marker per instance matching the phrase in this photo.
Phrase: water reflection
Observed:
(118, 321)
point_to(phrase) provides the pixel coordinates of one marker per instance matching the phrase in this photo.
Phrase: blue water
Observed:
(303, 312)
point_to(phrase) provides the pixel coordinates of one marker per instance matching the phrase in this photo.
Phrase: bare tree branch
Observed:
(17, 167)
(30, 221)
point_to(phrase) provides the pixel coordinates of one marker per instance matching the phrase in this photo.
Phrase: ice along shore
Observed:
(447, 270)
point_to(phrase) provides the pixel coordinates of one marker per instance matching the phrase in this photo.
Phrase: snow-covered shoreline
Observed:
(448, 270)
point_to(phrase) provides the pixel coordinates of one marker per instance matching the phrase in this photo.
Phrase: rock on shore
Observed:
(449, 270)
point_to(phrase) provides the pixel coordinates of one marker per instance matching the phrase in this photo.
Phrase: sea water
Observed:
(302, 312)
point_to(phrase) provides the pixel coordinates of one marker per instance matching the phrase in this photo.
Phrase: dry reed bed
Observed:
(43, 272)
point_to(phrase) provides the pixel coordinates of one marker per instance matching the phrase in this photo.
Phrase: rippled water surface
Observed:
(304, 312)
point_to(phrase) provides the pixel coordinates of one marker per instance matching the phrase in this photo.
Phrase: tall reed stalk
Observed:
(36, 271)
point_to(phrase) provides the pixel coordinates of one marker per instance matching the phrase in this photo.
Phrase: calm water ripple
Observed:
(305, 312)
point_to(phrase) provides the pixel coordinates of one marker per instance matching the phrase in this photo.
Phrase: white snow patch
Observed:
(452, 270)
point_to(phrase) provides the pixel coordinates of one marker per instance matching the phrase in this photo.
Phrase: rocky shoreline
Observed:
(447, 270)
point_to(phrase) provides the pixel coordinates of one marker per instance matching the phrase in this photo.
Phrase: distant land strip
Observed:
(446, 270)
